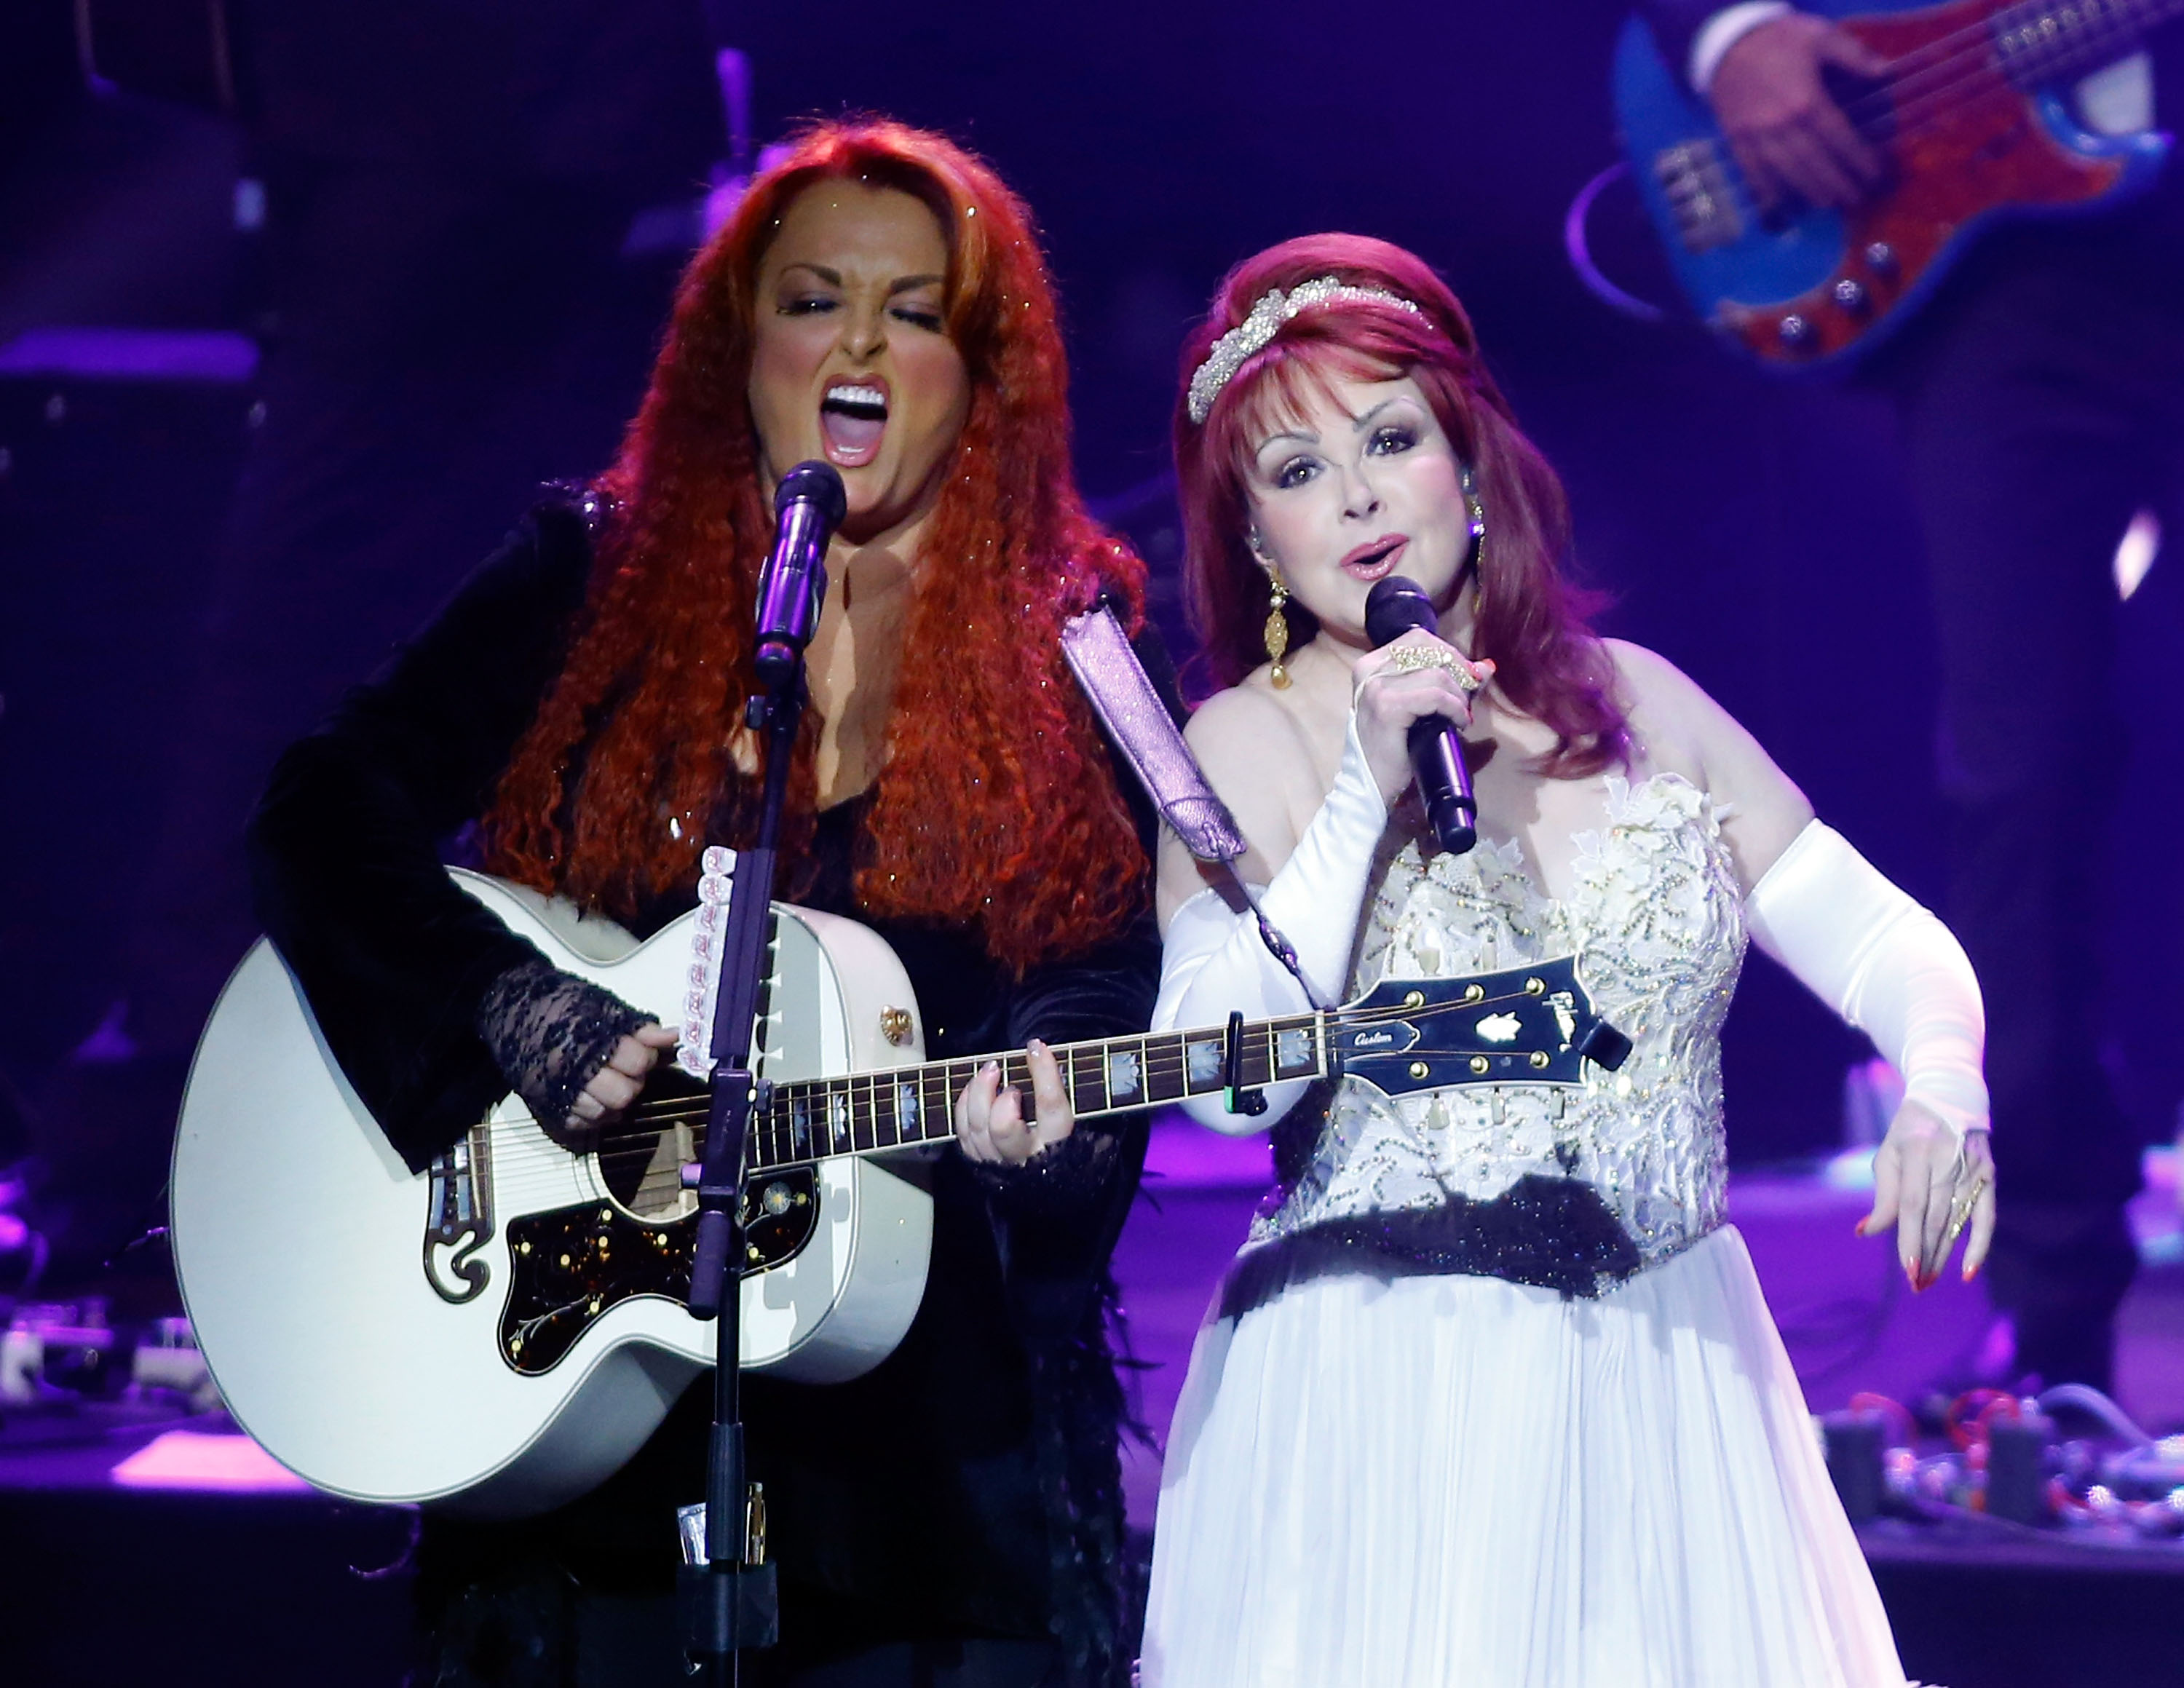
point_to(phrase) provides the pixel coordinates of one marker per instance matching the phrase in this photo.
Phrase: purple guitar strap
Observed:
(1138, 722)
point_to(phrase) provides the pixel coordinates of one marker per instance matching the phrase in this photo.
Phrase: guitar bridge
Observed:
(1702, 199)
(459, 1221)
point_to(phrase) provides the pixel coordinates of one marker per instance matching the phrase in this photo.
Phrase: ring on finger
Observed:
(1410, 659)
(1960, 1210)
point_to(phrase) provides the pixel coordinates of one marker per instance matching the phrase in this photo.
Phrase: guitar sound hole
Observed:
(642, 1169)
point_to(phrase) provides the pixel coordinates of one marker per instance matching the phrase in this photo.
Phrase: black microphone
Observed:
(1393, 607)
(808, 505)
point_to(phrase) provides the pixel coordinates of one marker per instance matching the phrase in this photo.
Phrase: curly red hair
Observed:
(995, 807)
(1532, 617)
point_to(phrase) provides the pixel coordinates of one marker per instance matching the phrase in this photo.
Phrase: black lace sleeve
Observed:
(345, 846)
(550, 1032)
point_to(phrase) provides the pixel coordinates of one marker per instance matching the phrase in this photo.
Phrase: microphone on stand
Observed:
(1393, 607)
(808, 506)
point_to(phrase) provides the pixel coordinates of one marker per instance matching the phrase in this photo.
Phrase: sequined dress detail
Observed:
(1655, 916)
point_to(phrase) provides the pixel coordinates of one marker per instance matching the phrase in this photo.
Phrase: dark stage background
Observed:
(451, 295)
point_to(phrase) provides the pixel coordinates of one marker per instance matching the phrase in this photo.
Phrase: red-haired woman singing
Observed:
(878, 301)
(1491, 1394)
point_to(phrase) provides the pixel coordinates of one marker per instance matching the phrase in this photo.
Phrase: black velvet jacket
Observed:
(968, 1484)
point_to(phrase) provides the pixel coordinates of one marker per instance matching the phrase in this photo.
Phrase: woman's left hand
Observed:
(989, 1121)
(1931, 1184)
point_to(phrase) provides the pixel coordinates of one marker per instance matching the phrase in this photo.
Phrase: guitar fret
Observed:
(1162, 1059)
(860, 1105)
(2035, 43)
(1298, 1052)
(932, 1101)
(904, 1107)
(758, 1143)
(887, 1111)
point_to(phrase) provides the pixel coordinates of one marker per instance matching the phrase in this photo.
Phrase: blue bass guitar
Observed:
(1973, 119)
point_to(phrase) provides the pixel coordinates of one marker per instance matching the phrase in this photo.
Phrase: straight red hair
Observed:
(995, 807)
(1532, 617)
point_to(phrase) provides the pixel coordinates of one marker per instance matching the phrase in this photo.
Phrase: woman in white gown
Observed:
(1490, 1397)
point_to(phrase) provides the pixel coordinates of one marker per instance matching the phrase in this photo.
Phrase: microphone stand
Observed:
(728, 1603)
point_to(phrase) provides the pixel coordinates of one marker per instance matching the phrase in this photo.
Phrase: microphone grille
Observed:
(816, 483)
(1394, 606)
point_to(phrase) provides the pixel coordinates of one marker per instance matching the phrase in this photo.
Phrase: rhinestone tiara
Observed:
(1234, 349)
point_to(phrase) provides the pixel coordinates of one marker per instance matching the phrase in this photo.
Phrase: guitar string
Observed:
(1972, 71)
(676, 1106)
(1159, 1069)
(2125, 22)
(1969, 57)
(1164, 1062)
(542, 1168)
(1160, 1064)
(521, 1164)
(1978, 74)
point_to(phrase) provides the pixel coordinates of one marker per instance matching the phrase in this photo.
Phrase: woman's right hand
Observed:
(610, 1091)
(1389, 693)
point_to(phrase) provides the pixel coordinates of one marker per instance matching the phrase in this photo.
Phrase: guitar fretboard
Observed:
(868, 1111)
(2041, 41)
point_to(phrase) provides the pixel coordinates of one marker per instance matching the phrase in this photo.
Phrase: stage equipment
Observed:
(1972, 118)
(727, 1602)
(57, 1349)
(2008, 1462)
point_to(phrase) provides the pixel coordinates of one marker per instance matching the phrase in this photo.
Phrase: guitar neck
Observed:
(870, 1112)
(2041, 41)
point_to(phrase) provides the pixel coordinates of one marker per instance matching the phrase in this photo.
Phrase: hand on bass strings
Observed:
(1406, 680)
(1791, 139)
(989, 1121)
(1930, 1184)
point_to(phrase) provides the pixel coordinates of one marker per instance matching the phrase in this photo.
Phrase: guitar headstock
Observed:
(1530, 1025)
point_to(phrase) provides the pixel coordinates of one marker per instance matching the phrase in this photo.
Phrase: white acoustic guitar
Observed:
(501, 1331)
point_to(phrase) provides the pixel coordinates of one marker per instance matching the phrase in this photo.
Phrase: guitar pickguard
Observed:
(570, 1265)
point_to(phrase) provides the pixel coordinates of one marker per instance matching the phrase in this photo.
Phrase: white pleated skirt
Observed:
(1448, 1480)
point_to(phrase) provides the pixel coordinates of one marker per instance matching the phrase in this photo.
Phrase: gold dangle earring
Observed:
(1277, 631)
(1477, 559)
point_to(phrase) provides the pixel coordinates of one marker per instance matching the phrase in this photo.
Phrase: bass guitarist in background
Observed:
(954, 1516)
(2040, 395)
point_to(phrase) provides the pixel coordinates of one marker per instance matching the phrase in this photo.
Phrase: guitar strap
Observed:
(1138, 722)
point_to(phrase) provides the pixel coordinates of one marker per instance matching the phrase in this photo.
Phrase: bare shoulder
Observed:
(1681, 729)
(1254, 749)
(1248, 728)
(1670, 713)
(1649, 681)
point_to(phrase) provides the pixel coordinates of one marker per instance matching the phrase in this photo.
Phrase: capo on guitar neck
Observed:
(1252, 1102)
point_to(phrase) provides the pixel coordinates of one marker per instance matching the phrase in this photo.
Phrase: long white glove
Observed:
(1213, 961)
(1889, 968)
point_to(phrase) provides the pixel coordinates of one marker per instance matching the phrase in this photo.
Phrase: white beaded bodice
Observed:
(1655, 916)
